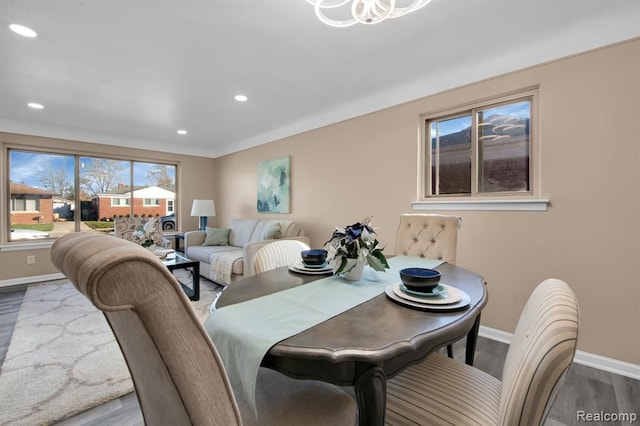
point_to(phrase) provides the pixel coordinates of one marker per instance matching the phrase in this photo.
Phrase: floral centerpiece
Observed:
(350, 248)
(143, 235)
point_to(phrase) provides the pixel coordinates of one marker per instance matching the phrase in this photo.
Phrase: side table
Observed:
(177, 242)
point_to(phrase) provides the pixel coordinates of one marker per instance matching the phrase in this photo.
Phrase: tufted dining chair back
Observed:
(277, 254)
(178, 375)
(433, 236)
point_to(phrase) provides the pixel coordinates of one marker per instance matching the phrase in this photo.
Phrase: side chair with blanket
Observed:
(177, 373)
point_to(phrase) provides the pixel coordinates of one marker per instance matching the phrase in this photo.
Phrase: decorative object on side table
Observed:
(350, 248)
(204, 209)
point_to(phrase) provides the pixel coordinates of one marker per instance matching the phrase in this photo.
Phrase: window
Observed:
(55, 193)
(119, 201)
(481, 150)
(24, 204)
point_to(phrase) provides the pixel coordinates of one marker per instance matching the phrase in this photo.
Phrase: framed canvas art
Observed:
(274, 185)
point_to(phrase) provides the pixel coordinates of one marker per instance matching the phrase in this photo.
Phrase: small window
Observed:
(483, 150)
(119, 202)
(151, 202)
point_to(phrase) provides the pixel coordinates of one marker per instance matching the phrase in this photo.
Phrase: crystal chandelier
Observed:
(344, 13)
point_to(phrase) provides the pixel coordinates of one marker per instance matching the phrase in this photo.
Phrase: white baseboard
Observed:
(611, 365)
(31, 280)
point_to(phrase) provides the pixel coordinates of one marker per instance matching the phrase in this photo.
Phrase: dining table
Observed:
(366, 344)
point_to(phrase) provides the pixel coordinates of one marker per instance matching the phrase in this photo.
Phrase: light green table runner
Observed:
(243, 333)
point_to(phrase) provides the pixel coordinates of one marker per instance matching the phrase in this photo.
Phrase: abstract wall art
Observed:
(274, 185)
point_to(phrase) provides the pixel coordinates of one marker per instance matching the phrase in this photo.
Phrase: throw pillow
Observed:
(272, 231)
(216, 237)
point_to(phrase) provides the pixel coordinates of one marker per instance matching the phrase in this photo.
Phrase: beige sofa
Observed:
(227, 263)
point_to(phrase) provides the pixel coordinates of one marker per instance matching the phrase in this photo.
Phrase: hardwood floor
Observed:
(585, 389)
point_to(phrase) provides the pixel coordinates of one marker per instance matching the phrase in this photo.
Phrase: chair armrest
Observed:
(249, 251)
(193, 238)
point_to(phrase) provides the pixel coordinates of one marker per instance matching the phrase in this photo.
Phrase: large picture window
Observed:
(483, 150)
(53, 193)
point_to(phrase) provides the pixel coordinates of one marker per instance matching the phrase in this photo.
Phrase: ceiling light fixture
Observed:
(35, 105)
(240, 98)
(181, 132)
(23, 31)
(367, 12)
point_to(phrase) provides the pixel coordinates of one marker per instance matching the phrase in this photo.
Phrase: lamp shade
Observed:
(204, 208)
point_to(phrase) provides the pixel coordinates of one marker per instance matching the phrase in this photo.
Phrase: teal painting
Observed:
(274, 186)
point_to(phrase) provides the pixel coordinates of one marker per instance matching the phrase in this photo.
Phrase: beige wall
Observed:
(590, 156)
(195, 180)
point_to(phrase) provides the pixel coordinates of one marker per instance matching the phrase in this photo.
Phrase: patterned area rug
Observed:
(63, 358)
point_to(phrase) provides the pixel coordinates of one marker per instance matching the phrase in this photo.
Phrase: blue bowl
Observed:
(314, 257)
(422, 280)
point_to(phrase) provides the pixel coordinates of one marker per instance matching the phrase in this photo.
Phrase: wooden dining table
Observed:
(369, 343)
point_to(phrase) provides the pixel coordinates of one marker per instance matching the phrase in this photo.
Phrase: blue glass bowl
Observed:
(314, 257)
(422, 280)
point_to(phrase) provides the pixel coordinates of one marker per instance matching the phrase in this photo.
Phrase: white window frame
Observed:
(119, 203)
(146, 202)
(518, 201)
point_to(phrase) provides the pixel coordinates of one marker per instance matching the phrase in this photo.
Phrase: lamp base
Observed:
(203, 223)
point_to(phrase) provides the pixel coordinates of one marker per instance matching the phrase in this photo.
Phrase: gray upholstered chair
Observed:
(178, 376)
(443, 391)
(434, 236)
(277, 254)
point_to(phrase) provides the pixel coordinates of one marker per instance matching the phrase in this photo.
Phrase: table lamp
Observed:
(204, 209)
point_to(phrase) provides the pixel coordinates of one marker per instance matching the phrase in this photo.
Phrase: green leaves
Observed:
(377, 260)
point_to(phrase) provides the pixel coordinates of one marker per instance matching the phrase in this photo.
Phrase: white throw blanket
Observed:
(222, 266)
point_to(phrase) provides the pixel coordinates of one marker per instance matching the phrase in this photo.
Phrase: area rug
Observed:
(63, 358)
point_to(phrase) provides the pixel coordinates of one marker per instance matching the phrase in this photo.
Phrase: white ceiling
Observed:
(132, 72)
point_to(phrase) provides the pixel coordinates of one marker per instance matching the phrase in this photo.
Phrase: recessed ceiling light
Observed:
(181, 132)
(241, 98)
(22, 30)
(35, 105)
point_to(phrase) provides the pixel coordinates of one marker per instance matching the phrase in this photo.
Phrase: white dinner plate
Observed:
(301, 269)
(451, 295)
(450, 307)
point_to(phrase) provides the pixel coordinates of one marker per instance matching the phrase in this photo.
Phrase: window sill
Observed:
(26, 246)
(537, 205)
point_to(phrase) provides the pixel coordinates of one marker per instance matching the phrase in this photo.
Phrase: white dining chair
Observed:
(431, 236)
(443, 391)
(277, 254)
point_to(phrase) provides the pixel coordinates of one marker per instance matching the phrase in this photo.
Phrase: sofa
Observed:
(227, 259)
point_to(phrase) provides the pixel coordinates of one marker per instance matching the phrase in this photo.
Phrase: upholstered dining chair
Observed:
(176, 370)
(443, 391)
(434, 236)
(277, 254)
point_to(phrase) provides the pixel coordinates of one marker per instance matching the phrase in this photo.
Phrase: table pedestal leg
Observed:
(371, 394)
